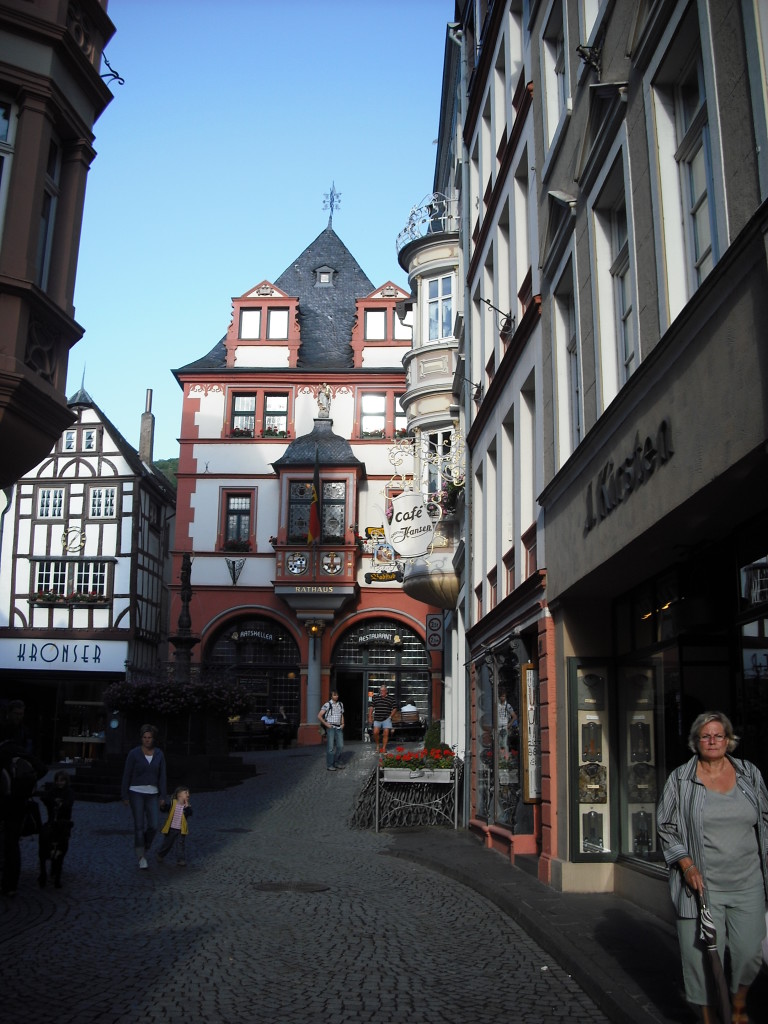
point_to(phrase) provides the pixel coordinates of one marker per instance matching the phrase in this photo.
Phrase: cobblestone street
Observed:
(283, 913)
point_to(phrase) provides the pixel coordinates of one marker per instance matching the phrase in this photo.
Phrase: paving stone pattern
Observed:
(284, 913)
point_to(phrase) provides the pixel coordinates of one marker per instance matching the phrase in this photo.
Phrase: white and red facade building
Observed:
(304, 389)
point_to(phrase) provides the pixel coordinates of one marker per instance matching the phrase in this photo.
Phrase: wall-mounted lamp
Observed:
(315, 628)
(507, 323)
(478, 395)
(397, 640)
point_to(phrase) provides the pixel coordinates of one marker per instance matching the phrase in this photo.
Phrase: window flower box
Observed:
(237, 545)
(240, 432)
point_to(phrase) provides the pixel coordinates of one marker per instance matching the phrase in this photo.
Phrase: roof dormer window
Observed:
(324, 277)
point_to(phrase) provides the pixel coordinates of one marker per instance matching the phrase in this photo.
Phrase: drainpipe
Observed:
(458, 38)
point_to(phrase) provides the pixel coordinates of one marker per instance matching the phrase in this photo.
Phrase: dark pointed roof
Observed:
(139, 467)
(326, 311)
(332, 449)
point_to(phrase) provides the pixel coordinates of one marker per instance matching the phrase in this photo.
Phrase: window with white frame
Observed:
(275, 415)
(439, 307)
(50, 503)
(683, 167)
(439, 465)
(277, 324)
(694, 159)
(401, 420)
(103, 502)
(7, 138)
(70, 440)
(613, 273)
(89, 440)
(568, 364)
(554, 63)
(622, 293)
(91, 579)
(250, 323)
(375, 325)
(73, 580)
(237, 522)
(588, 11)
(243, 415)
(51, 578)
(373, 415)
(48, 213)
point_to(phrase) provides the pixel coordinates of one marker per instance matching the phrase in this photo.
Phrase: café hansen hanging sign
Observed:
(410, 528)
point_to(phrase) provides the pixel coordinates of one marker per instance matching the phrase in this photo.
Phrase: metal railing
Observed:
(435, 214)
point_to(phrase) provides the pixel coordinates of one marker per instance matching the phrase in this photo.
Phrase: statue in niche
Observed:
(324, 402)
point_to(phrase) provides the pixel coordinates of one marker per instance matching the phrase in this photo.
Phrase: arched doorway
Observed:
(380, 652)
(263, 656)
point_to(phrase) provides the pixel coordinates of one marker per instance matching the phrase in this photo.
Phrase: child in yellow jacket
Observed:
(175, 827)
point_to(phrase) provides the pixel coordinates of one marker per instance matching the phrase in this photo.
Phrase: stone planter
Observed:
(420, 775)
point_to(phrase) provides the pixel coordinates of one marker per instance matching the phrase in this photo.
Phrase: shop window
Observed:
(498, 780)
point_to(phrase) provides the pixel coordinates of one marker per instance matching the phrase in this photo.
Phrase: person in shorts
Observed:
(380, 717)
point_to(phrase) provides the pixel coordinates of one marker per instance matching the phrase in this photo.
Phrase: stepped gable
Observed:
(332, 450)
(326, 311)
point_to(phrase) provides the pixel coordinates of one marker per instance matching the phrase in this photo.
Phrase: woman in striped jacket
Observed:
(712, 821)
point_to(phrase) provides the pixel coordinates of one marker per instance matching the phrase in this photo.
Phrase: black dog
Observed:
(54, 834)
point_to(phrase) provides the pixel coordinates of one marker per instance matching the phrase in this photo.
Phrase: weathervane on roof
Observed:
(331, 201)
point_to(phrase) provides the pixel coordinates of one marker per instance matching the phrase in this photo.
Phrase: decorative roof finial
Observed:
(331, 201)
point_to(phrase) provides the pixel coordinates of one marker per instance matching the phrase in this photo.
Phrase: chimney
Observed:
(147, 432)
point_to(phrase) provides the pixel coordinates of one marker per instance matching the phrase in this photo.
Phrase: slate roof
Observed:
(332, 449)
(326, 312)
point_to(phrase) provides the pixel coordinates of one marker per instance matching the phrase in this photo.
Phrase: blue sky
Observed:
(214, 158)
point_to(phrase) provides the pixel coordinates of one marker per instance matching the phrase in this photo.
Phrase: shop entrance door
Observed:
(354, 697)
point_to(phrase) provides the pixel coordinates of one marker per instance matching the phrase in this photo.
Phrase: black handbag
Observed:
(32, 821)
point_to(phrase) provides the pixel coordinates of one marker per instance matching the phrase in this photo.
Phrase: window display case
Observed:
(593, 832)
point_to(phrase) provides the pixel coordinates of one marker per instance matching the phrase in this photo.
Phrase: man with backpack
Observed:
(331, 716)
(19, 771)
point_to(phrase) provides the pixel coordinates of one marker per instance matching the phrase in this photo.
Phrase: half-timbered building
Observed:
(84, 560)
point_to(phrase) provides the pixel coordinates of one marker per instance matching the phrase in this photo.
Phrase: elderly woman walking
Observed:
(712, 821)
